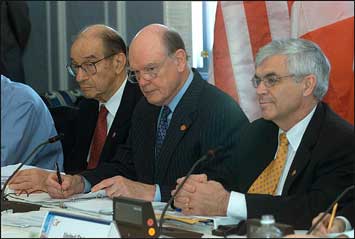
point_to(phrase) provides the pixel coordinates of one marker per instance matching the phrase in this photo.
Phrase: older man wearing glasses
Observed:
(98, 63)
(296, 160)
(179, 119)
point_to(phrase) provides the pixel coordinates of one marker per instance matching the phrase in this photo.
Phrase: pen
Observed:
(332, 216)
(60, 181)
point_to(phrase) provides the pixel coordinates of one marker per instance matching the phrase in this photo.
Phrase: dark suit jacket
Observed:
(348, 212)
(211, 117)
(322, 168)
(15, 30)
(79, 133)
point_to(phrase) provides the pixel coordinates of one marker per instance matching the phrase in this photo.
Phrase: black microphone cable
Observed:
(49, 141)
(210, 154)
(330, 208)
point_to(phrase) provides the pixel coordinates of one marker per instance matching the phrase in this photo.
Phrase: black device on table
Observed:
(136, 219)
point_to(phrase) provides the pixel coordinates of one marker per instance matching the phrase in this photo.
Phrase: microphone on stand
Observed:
(330, 208)
(49, 141)
(209, 155)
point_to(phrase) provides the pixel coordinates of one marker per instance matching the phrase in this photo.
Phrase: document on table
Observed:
(97, 205)
(25, 219)
(101, 206)
(44, 198)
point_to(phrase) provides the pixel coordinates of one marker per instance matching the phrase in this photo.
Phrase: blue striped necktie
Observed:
(161, 131)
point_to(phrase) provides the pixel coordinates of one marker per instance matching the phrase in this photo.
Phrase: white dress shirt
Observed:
(112, 106)
(237, 203)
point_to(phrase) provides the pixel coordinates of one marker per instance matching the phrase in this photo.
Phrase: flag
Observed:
(331, 26)
(242, 27)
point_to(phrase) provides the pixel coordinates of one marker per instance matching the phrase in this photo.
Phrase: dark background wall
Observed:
(56, 23)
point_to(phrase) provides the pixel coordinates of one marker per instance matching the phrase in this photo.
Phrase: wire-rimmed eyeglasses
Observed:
(150, 72)
(88, 67)
(268, 80)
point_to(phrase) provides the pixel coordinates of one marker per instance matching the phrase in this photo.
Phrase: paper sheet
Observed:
(44, 198)
(25, 219)
(100, 206)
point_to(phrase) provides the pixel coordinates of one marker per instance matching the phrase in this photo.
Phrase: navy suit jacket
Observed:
(80, 130)
(210, 117)
(322, 168)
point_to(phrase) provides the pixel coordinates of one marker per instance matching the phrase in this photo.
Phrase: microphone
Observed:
(209, 155)
(330, 208)
(49, 141)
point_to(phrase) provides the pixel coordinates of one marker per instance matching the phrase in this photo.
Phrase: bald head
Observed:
(157, 36)
(111, 40)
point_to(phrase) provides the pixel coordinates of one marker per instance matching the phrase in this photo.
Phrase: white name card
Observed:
(67, 225)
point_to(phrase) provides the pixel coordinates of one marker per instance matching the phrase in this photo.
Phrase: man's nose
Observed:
(261, 88)
(81, 75)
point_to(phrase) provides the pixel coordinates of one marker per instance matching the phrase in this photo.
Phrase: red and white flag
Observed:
(242, 27)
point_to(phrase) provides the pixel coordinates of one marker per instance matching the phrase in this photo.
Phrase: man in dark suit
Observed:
(103, 119)
(313, 162)
(180, 118)
(15, 28)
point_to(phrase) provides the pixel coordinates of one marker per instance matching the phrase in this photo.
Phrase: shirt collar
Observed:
(114, 102)
(295, 134)
(172, 105)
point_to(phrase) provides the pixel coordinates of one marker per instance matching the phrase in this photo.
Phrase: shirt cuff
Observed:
(87, 185)
(237, 206)
(157, 196)
(348, 226)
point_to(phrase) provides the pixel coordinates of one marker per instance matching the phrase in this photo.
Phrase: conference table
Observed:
(29, 231)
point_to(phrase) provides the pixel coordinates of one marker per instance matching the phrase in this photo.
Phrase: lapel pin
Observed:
(183, 127)
(294, 172)
(114, 134)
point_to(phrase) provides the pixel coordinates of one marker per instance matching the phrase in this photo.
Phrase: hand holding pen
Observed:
(59, 177)
(63, 186)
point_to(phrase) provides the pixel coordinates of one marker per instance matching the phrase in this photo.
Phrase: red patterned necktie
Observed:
(99, 138)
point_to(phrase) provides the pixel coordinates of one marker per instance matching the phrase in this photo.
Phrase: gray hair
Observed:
(173, 41)
(303, 58)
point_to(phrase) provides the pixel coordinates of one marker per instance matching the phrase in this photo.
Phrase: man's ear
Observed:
(120, 61)
(309, 84)
(180, 56)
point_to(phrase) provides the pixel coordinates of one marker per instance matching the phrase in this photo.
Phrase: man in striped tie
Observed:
(179, 119)
(292, 163)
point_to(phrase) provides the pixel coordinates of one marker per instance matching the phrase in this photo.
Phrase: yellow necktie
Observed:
(267, 181)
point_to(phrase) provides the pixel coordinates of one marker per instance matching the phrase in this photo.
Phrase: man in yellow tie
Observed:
(293, 162)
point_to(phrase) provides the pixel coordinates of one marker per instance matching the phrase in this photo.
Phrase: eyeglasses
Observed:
(88, 67)
(269, 80)
(150, 72)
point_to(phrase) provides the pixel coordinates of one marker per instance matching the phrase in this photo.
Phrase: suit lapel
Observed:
(181, 122)
(122, 117)
(88, 128)
(145, 127)
(305, 148)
